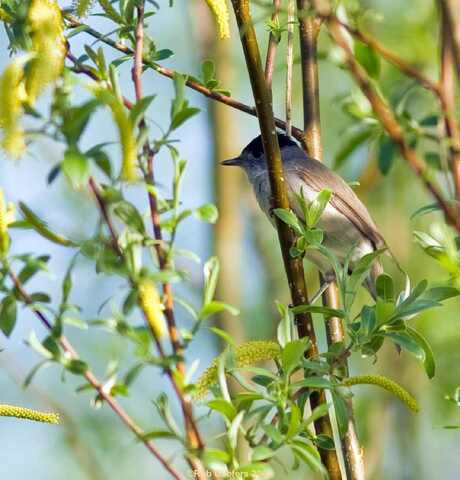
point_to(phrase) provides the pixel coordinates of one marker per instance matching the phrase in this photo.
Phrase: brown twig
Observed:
(95, 383)
(289, 65)
(447, 93)
(385, 115)
(169, 73)
(451, 10)
(293, 266)
(273, 41)
(309, 31)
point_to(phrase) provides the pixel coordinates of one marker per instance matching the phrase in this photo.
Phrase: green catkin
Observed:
(28, 414)
(387, 384)
(110, 11)
(246, 355)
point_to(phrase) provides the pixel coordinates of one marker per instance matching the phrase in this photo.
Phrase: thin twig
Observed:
(169, 73)
(273, 41)
(95, 383)
(289, 65)
(308, 37)
(452, 16)
(447, 94)
(293, 266)
(386, 116)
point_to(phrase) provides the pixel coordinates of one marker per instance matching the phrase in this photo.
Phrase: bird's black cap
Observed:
(256, 148)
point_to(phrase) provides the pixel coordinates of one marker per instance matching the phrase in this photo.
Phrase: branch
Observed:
(94, 382)
(447, 93)
(273, 41)
(309, 31)
(169, 73)
(386, 116)
(289, 65)
(453, 23)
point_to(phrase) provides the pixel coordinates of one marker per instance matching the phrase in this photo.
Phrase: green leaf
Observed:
(182, 116)
(76, 168)
(139, 108)
(41, 227)
(292, 354)
(368, 59)
(77, 366)
(308, 455)
(284, 327)
(385, 287)
(428, 360)
(261, 453)
(317, 206)
(294, 422)
(407, 342)
(432, 207)
(341, 412)
(8, 315)
(224, 335)
(155, 434)
(439, 294)
(207, 213)
(214, 307)
(311, 382)
(130, 216)
(208, 70)
(234, 428)
(386, 155)
(328, 312)
(220, 405)
(288, 217)
(211, 273)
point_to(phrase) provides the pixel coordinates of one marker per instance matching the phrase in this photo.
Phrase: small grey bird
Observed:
(346, 222)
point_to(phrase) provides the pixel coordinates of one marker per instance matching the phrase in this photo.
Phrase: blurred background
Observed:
(92, 444)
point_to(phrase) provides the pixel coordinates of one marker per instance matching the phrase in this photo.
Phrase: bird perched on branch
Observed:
(346, 222)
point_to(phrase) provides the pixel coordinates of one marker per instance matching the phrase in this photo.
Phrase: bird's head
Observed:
(252, 158)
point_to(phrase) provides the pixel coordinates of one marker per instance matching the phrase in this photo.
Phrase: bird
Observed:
(346, 223)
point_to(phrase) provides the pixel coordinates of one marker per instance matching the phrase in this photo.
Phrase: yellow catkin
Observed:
(4, 239)
(125, 130)
(27, 413)
(388, 385)
(220, 11)
(246, 355)
(82, 7)
(5, 16)
(48, 43)
(152, 306)
(12, 97)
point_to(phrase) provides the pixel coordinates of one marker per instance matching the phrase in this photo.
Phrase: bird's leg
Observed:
(322, 288)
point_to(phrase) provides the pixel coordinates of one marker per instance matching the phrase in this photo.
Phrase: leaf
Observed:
(432, 207)
(182, 116)
(309, 455)
(284, 327)
(211, 272)
(292, 354)
(406, 341)
(428, 361)
(439, 294)
(139, 108)
(261, 453)
(207, 213)
(216, 307)
(208, 70)
(386, 155)
(288, 217)
(368, 59)
(155, 434)
(77, 366)
(8, 315)
(341, 412)
(385, 287)
(220, 405)
(312, 382)
(294, 422)
(41, 227)
(328, 312)
(76, 168)
(258, 470)
(130, 216)
(233, 430)
(224, 335)
(317, 206)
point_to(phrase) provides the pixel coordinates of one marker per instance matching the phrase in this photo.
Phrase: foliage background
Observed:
(94, 444)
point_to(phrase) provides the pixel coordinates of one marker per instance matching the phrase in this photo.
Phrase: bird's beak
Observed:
(232, 162)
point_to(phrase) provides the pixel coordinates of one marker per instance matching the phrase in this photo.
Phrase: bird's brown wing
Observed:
(344, 199)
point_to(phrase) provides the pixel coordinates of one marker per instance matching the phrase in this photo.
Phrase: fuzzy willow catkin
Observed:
(5, 16)
(12, 96)
(28, 414)
(126, 132)
(219, 9)
(388, 385)
(81, 7)
(246, 355)
(48, 44)
(4, 239)
(152, 306)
